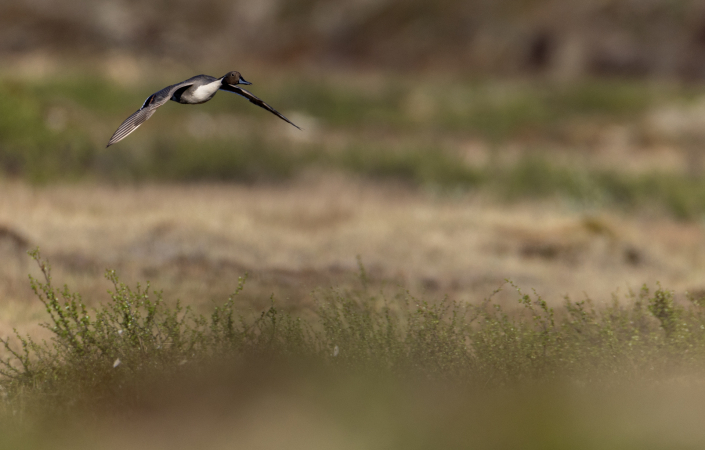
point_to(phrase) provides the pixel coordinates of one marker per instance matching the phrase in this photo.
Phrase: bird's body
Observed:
(194, 91)
(201, 89)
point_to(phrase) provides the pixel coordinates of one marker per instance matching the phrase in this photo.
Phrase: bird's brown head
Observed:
(234, 78)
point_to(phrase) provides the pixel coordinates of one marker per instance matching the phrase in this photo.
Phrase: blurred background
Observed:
(566, 39)
(449, 145)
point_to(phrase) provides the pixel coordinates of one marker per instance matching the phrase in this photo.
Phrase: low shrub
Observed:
(137, 336)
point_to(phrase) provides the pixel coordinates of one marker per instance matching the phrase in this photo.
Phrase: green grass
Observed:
(537, 177)
(29, 148)
(498, 112)
(56, 130)
(419, 166)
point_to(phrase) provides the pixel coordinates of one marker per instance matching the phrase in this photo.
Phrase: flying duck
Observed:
(193, 91)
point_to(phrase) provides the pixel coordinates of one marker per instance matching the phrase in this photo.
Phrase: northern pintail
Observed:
(193, 91)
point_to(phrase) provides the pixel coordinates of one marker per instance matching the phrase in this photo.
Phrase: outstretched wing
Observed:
(131, 124)
(148, 108)
(254, 99)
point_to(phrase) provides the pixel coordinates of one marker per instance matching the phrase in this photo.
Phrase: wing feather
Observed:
(131, 124)
(148, 108)
(256, 100)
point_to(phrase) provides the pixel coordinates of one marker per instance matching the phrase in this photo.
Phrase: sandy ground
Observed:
(193, 241)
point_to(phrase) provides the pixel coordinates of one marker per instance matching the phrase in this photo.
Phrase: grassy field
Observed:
(362, 371)
(374, 243)
(622, 144)
(623, 370)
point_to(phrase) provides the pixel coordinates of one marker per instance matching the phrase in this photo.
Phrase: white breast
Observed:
(206, 91)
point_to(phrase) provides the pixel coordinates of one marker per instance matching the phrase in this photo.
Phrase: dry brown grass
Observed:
(193, 241)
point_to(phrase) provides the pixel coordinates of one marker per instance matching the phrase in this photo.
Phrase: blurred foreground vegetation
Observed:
(512, 140)
(430, 369)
